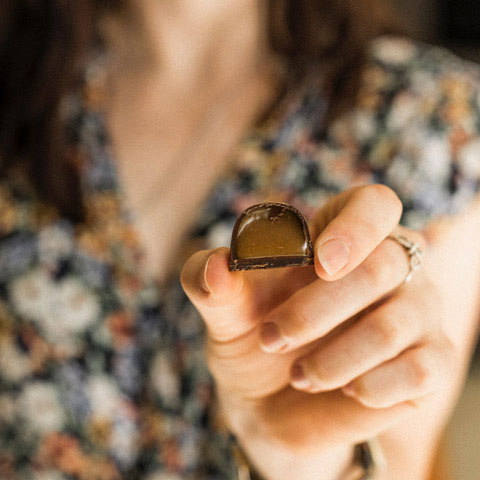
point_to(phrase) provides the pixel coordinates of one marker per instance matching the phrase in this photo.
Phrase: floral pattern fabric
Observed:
(102, 372)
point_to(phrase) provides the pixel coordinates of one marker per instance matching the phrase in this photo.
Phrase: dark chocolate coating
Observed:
(270, 235)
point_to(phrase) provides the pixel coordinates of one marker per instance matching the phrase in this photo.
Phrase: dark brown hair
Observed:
(44, 45)
(332, 35)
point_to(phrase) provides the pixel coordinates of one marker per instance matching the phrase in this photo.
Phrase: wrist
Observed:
(368, 463)
(282, 464)
(263, 456)
(275, 459)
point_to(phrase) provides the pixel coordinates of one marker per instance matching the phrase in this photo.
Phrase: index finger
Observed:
(352, 225)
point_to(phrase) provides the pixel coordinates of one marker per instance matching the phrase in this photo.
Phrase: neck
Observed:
(175, 119)
(175, 35)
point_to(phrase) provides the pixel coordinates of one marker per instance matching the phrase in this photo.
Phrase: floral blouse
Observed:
(102, 372)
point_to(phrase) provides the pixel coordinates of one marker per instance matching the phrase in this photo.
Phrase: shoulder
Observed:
(417, 123)
(432, 81)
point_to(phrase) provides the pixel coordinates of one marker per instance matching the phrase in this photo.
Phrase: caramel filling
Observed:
(270, 231)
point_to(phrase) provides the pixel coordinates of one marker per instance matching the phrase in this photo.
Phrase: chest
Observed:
(171, 149)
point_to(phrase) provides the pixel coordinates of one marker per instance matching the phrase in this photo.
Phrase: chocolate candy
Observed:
(270, 235)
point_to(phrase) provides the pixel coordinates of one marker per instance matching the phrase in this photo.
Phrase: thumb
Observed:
(232, 309)
(221, 296)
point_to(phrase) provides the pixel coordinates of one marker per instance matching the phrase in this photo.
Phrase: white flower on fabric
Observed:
(190, 324)
(402, 112)
(394, 51)
(102, 335)
(165, 380)
(469, 159)
(107, 402)
(54, 243)
(61, 309)
(415, 220)
(424, 82)
(400, 175)
(190, 448)
(462, 197)
(30, 294)
(149, 294)
(435, 158)
(14, 364)
(40, 406)
(8, 409)
(364, 125)
(104, 396)
(124, 441)
(432, 198)
(219, 235)
(76, 305)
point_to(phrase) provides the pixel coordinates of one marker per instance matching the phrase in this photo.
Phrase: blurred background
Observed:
(456, 25)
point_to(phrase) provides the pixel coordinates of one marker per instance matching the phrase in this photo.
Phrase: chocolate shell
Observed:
(270, 235)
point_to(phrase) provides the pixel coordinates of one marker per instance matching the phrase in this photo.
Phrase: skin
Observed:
(378, 357)
(367, 371)
(179, 104)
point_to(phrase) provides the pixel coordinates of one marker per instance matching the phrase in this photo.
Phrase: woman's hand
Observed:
(300, 356)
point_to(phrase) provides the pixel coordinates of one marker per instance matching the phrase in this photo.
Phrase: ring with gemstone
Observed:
(414, 252)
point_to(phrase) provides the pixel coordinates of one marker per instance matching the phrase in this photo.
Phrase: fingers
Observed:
(352, 225)
(415, 373)
(374, 339)
(394, 353)
(317, 421)
(232, 310)
(218, 294)
(318, 308)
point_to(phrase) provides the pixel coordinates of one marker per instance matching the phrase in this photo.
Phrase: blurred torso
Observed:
(182, 97)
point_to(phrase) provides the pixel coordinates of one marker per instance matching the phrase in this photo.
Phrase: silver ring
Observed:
(414, 252)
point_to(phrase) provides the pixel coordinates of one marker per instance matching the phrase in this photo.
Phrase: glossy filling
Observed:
(270, 232)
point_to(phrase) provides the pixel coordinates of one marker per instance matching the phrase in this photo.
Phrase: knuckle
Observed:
(417, 404)
(433, 368)
(320, 376)
(365, 397)
(378, 273)
(423, 371)
(370, 401)
(300, 320)
(387, 333)
(295, 324)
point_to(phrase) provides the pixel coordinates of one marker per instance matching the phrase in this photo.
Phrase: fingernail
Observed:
(349, 390)
(271, 339)
(298, 378)
(203, 276)
(333, 256)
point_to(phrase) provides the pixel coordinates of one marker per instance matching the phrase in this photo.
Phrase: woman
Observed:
(102, 363)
